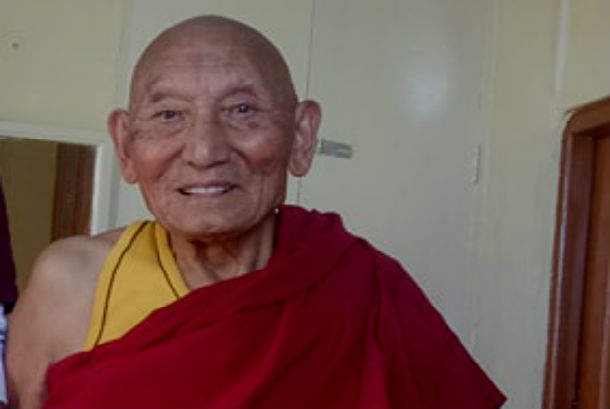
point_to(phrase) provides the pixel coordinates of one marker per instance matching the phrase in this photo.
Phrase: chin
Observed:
(203, 229)
(211, 222)
(210, 228)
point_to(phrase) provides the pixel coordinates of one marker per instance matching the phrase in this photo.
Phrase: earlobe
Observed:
(118, 127)
(307, 121)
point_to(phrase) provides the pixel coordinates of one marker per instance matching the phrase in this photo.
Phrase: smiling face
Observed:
(209, 138)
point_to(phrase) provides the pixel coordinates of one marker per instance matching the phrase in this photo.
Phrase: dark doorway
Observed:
(48, 192)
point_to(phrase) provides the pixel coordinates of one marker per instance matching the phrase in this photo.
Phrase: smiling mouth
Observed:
(210, 190)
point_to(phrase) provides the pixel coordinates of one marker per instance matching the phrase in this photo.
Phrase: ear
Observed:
(118, 127)
(307, 121)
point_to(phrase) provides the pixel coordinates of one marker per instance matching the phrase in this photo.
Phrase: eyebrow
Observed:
(162, 92)
(239, 89)
(161, 95)
(158, 93)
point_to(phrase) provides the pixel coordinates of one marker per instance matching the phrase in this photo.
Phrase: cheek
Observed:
(153, 158)
(266, 153)
(269, 159)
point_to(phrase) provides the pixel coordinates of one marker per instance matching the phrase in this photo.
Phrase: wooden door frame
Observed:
(570, 253)
(73, 190)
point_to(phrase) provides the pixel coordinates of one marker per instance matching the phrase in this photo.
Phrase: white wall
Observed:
(58, 61)
(583, 68)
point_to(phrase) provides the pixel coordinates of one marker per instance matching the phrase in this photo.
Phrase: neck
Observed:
(204, 262)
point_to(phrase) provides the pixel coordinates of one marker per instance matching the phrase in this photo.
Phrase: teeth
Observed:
(205, 190)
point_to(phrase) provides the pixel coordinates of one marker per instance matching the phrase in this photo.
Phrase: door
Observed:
(399, 83)
(594, 362)
(48, 192)
(578, 360)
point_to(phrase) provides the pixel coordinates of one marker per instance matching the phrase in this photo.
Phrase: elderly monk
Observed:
(228, 299)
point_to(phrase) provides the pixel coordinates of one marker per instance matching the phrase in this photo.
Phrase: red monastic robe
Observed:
(330, 322)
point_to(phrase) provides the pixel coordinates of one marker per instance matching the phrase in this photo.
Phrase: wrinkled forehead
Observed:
(224, 48)
(197, 64)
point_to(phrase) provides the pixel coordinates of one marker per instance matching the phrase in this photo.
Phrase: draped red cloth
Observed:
(329, 323)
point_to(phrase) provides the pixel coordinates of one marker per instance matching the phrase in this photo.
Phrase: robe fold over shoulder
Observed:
(330, 322)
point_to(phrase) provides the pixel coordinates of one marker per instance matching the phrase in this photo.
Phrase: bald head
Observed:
(206, 33)
(213, 129)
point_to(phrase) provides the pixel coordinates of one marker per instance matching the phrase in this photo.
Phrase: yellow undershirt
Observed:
(140, 275)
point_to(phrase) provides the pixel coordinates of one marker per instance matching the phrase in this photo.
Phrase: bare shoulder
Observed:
(51, 318)
(69, 258)
(67, 268)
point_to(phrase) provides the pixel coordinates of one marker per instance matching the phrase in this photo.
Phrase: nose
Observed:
(206, 143)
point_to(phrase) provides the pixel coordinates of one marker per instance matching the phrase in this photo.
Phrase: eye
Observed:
(168, 115)
(242, 110)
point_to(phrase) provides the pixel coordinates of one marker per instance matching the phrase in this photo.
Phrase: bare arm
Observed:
(51, 318)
